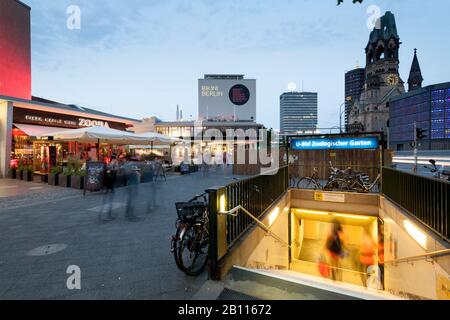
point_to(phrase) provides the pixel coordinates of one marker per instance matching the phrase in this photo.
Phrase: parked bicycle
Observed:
(341, 180)
(190, 244)
(438, 173)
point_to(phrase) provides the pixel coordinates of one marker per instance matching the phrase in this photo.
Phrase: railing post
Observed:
(217, 232)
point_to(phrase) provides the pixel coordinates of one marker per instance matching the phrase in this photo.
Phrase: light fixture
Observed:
(222, 204)
(415, 233)
(273, 216)
(326, 213)
(304, 211)
(350, 216)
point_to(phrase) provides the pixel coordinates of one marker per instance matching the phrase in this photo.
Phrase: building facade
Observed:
(226, 98)
(370, 113)
(15, 49)
(354, 85)
(429, 108)
(298, 112)
(24, 119)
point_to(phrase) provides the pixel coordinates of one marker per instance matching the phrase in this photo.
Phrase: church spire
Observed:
(415, 75)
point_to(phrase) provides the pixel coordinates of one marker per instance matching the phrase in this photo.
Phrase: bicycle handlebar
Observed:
(200, 196)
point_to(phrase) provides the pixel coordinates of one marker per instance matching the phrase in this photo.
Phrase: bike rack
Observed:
(235, 212)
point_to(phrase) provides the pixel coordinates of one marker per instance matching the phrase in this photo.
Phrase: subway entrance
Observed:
(337, 246)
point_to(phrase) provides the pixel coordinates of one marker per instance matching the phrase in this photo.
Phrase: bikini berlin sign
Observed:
(334, 143)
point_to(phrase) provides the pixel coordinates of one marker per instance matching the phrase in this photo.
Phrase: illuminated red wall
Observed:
(15, 49)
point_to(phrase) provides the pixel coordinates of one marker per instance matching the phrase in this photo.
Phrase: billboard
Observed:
(335, 144)
(230, 100)
(15, 50)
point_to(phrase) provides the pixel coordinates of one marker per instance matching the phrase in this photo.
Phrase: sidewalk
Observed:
(118, 259)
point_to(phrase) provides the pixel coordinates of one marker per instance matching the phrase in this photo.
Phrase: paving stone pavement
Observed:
(118, 259)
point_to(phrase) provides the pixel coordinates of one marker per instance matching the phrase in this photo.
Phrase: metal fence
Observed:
(255, 194)
(427, 199)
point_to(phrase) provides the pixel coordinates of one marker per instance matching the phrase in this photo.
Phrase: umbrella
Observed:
(97, 134)
(157, 139)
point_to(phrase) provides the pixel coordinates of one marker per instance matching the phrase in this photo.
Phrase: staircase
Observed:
(251, 284)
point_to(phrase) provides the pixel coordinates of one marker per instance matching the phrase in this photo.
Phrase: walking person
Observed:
(367, 256)
(335, 248)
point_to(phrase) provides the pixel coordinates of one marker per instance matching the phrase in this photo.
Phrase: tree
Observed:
(354, 1)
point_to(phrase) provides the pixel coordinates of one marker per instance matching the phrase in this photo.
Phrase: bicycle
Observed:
(311, 182)
(438, 173)
(190, 244)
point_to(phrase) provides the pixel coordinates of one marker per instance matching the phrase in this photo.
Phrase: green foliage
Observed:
(56, 170)
(68, 171)
(21, 166)
(354, 1)
(80, 173)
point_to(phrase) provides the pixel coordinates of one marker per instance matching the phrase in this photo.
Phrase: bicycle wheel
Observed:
(337, 185)
(175, 245)
(308, 183)
(193, 250)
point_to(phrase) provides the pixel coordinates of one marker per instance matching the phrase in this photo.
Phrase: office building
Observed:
(298, 112)
(354, 85)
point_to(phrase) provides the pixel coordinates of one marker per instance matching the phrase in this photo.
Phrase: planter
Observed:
(77, 182)
(44, 178)
(65, 181)
(28, 176)
(53, 179)
(19, 175)
(12, 174)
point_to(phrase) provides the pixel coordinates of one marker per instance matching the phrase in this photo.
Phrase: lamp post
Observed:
(348, 99)
(340, 117)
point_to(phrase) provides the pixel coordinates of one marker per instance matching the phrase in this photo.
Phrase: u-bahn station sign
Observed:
(335, 143)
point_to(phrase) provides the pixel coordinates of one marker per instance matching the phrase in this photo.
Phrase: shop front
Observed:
(31, 125)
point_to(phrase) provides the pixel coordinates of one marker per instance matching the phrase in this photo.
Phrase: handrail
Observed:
(425, 255)
(235, 212)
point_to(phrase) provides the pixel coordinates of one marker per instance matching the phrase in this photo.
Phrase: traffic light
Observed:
(420, 133)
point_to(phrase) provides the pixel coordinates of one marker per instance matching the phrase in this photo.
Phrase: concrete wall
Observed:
(418, 279)
(257, 249)
(366, 204)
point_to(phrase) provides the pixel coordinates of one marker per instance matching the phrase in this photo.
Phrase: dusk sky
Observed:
(141, 58)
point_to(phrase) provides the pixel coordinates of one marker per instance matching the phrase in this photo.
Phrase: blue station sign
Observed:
(335, 143)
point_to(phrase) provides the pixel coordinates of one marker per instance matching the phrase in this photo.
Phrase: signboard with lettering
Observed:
(335, 143)
(229, 100)
(42, 118)
(95, 176)
(329, 197)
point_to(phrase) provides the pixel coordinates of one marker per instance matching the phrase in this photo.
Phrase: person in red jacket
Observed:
(367, 256)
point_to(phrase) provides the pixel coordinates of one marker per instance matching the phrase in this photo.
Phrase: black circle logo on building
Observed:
(239, 95)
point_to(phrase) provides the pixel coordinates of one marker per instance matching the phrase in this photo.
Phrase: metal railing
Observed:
(434, 254)
(235, 212)
(424, 198)
(256, 195)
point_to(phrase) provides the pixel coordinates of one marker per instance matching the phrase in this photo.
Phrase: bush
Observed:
(56, 170)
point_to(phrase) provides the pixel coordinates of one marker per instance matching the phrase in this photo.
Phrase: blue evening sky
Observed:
(141, 58)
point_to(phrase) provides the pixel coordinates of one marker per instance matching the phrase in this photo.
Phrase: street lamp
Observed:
(348, 99)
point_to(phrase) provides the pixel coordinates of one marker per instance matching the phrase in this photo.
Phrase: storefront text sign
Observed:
(42, 118)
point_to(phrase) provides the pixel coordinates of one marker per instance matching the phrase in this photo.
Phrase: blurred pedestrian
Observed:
(367, 255)
(335, 248)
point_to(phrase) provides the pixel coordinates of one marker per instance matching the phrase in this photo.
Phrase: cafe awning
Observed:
(36, 131)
